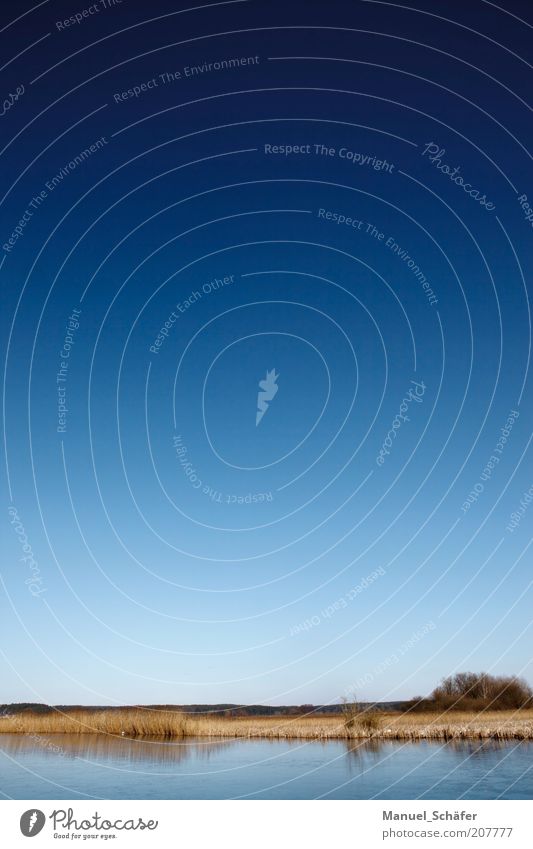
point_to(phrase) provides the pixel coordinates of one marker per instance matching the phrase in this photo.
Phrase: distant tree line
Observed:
(230, 710)
(469, 691)
(474, 691)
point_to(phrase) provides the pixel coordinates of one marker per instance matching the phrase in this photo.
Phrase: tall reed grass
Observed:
(130, 722)
(138, 722)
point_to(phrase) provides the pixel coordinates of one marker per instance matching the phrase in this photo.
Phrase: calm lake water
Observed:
(88, 766)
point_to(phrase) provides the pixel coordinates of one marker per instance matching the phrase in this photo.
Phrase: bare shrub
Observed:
(360, 718)
(479, 691)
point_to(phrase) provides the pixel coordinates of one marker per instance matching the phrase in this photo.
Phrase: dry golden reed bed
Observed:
(138, 722)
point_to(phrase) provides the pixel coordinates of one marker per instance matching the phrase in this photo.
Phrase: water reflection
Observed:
(362, 755)
(102, 747)
(470, 748)
(157, 750)
(106, 767)
(483, 748)
(356, 748)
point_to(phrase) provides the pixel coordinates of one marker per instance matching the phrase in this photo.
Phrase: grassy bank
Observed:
(138, 722)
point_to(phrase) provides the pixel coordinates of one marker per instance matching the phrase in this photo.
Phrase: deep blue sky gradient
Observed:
(157, 591)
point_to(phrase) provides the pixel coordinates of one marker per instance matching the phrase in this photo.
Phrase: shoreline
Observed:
(135, 723)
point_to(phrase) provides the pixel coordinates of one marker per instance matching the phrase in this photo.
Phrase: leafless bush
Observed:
(479, 691)
(360, 718)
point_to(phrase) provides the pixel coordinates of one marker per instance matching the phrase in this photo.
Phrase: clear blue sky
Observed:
(178, 552)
